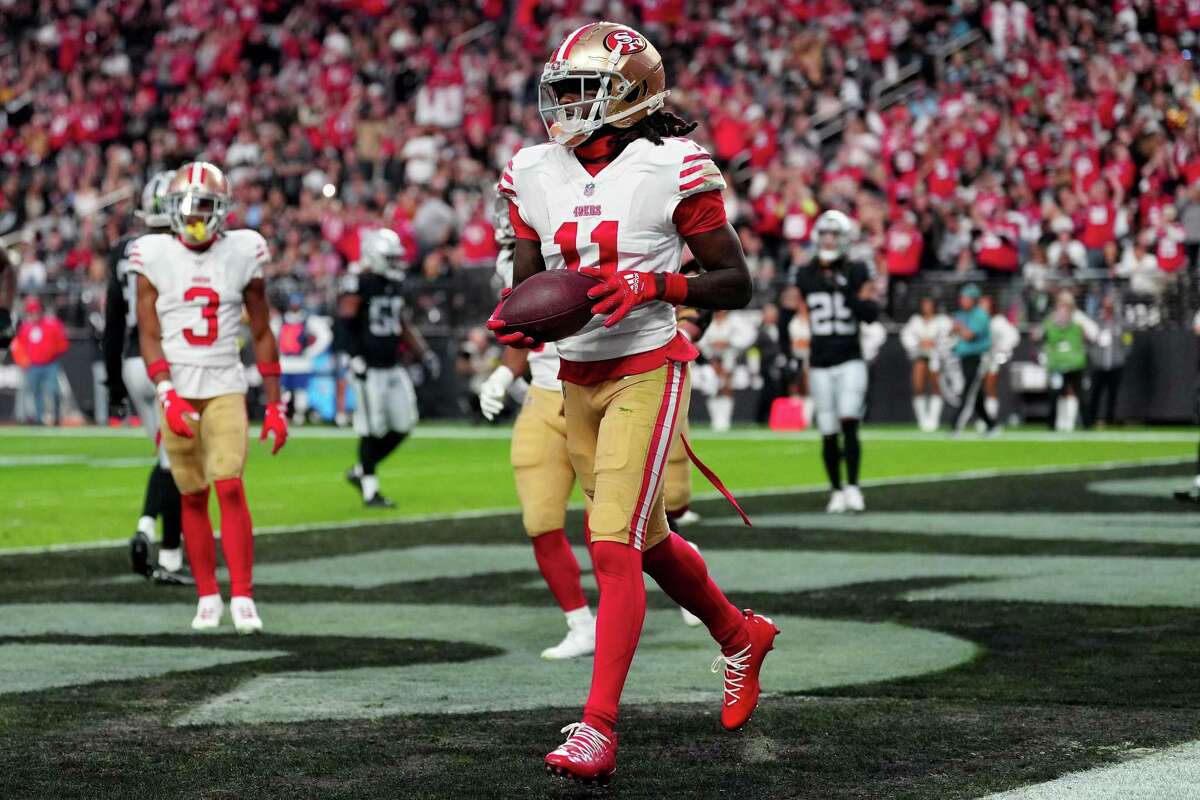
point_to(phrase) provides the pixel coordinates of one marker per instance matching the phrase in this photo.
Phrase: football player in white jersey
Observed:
(540, 463)
(616, 194)
(191, 289)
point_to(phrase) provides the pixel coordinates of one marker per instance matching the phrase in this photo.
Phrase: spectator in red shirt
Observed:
(41, 340)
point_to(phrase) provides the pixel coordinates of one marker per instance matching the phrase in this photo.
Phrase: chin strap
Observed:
(714, 480)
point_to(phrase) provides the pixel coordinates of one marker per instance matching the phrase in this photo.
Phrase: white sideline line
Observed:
(699, 434)
(711, 494)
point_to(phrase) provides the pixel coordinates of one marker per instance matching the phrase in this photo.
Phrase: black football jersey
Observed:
(831, 319)
(375, 330)
(121, 316)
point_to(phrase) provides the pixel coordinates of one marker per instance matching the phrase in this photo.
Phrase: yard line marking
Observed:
(975, 474)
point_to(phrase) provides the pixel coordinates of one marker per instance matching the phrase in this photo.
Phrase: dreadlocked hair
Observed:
(654, 127)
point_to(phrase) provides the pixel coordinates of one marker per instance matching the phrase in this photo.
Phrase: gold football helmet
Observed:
(197, 201)
(602, 74)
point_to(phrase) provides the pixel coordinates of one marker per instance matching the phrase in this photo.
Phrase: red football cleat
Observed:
(741, 671)
(587, 755)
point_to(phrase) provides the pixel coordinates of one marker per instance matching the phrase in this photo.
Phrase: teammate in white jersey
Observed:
(616, 194)
(191, 290)
(540, 463)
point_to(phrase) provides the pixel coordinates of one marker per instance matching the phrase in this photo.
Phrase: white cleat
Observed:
(579, 641)
(208, 613)
(245, 615)
(688, 517)
(853, 498)
(837, 503)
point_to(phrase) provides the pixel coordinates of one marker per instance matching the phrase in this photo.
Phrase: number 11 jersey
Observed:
(833, 324)
(622, 218)
(199, 306)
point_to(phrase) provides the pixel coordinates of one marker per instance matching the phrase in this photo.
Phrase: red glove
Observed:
(621, 292)
(275, 423)
(176, 410)
(512, 339)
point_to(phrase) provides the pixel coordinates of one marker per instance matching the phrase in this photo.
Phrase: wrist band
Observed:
(675, 288)
(157, 368)
(270, 370)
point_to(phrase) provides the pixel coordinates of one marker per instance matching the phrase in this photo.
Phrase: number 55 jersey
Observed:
(199, 305)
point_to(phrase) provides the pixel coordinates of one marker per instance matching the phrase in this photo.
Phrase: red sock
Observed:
(681, 572)
(618, 627)
(199, 542)
(237, 536)
(559, 568)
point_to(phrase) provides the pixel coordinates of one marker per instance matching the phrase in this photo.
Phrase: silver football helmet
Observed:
(834, 233)
(381, 251)
(153, 210)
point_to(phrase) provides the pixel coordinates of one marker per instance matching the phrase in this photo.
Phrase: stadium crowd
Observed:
(1034, 146)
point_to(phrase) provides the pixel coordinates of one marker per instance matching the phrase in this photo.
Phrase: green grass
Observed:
(87, 486)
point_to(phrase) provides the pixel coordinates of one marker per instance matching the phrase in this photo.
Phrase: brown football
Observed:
(551, 305)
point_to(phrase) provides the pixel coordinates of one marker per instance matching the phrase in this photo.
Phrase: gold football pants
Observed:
(619, 433)
(217, 449)
(540, 463)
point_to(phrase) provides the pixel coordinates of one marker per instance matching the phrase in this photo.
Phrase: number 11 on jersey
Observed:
(604, 235)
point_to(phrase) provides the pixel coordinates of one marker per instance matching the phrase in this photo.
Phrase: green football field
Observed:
(1012, 619)
(86, 485)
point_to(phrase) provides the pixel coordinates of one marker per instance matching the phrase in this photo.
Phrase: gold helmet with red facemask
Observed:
(197, 201)
(602, 74)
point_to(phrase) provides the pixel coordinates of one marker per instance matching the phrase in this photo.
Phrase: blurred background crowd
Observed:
(1031, 148)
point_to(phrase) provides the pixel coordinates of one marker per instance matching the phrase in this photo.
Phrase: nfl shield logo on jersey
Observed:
(589, 190)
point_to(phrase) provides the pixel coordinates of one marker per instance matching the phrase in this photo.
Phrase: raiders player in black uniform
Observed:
(839, 295)
(126, 379)
(374, 323)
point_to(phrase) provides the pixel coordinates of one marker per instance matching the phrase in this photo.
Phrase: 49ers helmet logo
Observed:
(625, 41)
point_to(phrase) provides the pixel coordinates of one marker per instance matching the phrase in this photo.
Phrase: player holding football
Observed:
(839, 295)
(616, 194)
(374, 324)
(126, 378)
(190, 292)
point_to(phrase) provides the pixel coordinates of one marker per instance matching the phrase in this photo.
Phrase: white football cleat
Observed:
(245, 615)
(208, 613)
(579, 641)
(854, 499)
(837, 503)
(688, 517)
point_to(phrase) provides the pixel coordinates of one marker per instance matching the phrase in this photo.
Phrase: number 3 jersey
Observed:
(832, 321)
(200, 297)
(621, 218)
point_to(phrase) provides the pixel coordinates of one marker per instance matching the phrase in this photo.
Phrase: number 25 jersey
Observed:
(833, 323)
(200, 305)
(622, 218)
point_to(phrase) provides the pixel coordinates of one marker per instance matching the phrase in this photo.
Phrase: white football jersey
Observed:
(200, 305)
(620, 219)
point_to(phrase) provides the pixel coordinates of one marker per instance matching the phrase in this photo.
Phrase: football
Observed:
(551, 305)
